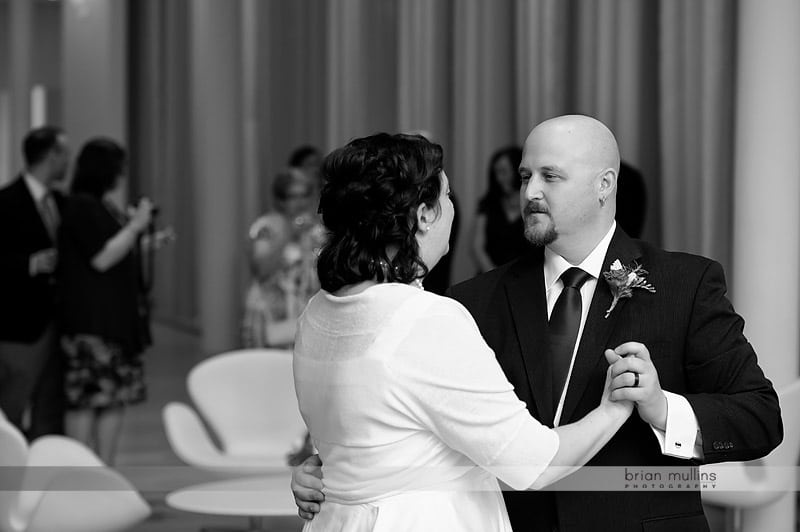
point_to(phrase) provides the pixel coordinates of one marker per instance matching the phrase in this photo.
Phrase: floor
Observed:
(145, 457)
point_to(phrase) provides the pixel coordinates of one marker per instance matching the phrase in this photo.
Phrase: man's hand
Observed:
(307, 487)
(635, 378)
(44, 261)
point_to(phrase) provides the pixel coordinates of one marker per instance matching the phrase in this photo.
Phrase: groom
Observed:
(699, 393)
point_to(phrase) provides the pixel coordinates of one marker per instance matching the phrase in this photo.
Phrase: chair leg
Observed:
(255, 524)
(733, 520)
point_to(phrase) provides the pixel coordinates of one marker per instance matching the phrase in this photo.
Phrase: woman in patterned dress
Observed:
(103, 318)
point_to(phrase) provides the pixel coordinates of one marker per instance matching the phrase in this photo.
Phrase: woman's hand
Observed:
(615, 408)
(141, 215)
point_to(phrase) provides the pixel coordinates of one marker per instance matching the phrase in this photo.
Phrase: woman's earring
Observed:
(602, 201)
(427, 228)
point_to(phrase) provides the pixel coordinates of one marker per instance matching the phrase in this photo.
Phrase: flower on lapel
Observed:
(623, 279)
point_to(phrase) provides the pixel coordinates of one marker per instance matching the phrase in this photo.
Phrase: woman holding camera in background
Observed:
(104, 322)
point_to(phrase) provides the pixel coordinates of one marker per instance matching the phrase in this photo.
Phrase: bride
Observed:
(413, 418)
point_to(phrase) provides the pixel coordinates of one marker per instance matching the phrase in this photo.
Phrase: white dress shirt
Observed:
(35, 187)
(38, 192)
(682, 437)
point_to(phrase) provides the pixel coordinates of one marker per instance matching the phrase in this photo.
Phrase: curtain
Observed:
(160, 148)
(697, 84)
(473, 74)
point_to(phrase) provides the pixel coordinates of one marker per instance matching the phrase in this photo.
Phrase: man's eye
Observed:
(550, 177)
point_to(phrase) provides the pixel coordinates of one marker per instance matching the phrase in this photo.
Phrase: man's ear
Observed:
(607, 184)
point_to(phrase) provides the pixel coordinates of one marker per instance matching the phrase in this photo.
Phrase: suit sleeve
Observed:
(735, 404)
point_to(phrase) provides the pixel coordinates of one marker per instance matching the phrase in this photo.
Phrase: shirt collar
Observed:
(36, 188)
(555, 264)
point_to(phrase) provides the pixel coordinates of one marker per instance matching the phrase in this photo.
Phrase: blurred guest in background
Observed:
(283, 250)
(30, 369)
(631, 200)
(499, 236)
(104, 320)
(308, 159)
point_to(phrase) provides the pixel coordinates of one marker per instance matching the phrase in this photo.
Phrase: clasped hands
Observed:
(633, 377)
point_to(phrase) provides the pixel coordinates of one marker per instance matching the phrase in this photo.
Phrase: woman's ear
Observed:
(425, 216)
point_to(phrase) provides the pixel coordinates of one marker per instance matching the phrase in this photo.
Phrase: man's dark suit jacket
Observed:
(27, 304)
(696, 343)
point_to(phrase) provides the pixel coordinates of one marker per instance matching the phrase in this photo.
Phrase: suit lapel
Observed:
(590, 361)
(524, 287)
(31, 211)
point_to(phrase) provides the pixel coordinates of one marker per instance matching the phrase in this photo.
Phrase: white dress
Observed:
(412, 415)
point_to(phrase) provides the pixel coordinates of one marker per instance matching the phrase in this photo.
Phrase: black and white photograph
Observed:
(399, 265)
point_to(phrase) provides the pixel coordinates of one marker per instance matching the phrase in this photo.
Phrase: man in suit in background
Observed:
(30, 369)
(699, 392)
(550, 316)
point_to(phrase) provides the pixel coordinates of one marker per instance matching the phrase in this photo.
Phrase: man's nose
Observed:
(532, 189)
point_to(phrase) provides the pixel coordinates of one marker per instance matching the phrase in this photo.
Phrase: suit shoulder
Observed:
(673, 258)
(480, 283)
(689, 268)
(10, 190)
(81, 203)
(13, 197)
(478, 293)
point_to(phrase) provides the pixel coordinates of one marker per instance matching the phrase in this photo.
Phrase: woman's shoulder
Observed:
(441, 310)
(82, 208)
(81, 200)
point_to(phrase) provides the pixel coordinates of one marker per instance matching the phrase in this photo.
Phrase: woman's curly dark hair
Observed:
(372, 189)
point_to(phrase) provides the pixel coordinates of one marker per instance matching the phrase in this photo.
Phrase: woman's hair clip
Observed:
(383, 265)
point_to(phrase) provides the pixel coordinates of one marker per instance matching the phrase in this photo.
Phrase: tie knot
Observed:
(574, 278)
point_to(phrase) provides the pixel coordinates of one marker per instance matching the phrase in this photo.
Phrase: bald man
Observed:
(699, 392)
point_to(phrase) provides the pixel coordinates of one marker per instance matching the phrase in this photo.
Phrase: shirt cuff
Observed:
(682, 435)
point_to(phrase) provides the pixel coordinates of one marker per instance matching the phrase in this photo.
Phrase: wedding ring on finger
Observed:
(635, 380)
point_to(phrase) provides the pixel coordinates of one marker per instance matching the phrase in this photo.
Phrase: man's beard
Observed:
(536, 234)
(539, 237)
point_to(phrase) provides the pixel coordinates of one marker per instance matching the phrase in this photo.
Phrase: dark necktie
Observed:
(50, 215)
(565, 320)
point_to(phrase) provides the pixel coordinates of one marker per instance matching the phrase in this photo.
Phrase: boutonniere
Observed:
(623, 279)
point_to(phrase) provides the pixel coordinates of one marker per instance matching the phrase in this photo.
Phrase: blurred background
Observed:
(212, 95)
